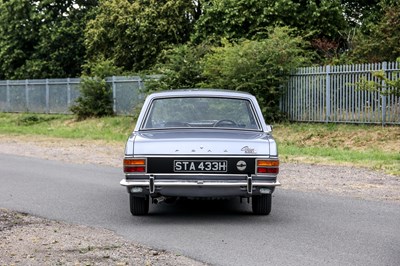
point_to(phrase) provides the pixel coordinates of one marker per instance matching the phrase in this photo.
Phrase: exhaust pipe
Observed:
(167, 200)
(159, 199)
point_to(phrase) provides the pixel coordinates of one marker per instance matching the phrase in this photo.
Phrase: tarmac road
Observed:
(302, 229)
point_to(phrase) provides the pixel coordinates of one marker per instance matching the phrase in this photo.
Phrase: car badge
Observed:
(246, 149)
(241, 165)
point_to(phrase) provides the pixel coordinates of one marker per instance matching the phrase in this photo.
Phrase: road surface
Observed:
(302, 229)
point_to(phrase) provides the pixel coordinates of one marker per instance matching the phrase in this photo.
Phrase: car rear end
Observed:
(203, 158)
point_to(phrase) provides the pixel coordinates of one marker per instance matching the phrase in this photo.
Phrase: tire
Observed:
(139, 205)
(261, 205)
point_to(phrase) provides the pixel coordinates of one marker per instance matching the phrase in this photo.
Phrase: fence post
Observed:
(47, 96)
(328, 93)
(27, 95)
(384, 68)
(8, 96)
(68, 93)
(114, 94)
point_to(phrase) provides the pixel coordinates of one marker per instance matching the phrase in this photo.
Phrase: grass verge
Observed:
(65, 126)
(370, 146)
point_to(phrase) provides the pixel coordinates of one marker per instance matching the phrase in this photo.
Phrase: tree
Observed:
(381, 42)
(259, 67)
(236, 19)
(42, 39)
(358, 12)
(132, 33)
(179, 68)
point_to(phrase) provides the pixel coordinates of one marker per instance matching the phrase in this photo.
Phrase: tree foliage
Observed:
(95, 98)
(132, 33)
(382, 84)
(258, 67)
(360, 11)
(382, 40)
(179, 68)
(236, 19)
(55, 38)
(42, 39)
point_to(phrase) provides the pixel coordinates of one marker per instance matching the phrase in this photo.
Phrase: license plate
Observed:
(201, 166)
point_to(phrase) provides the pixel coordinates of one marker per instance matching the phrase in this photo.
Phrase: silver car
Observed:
(200, 144)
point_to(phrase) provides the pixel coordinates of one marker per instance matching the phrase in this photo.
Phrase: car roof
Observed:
(200, 92)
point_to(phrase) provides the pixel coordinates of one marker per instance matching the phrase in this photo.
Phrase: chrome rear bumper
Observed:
(180, 183)
(152, 184)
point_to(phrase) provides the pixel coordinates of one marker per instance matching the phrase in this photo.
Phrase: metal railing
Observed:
(330, 94)
(57, 95)
(313, 94)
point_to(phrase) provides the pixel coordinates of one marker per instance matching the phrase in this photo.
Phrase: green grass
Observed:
(65, 126)
(369, 146)
(375, 159)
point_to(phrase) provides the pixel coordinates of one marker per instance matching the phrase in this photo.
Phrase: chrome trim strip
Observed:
(266, 183)
(180, 183)
(188, 174)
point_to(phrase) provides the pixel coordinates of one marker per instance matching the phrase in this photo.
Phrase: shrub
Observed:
(259, 67)
(95, 99)
(381, 83)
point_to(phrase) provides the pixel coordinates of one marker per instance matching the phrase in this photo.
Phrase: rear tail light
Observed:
(132, 165)
(267, 166)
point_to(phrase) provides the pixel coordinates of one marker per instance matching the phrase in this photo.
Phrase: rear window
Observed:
(201, 112)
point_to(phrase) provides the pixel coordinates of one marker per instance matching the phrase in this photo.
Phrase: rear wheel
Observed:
(139, 205)
(261, 205)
